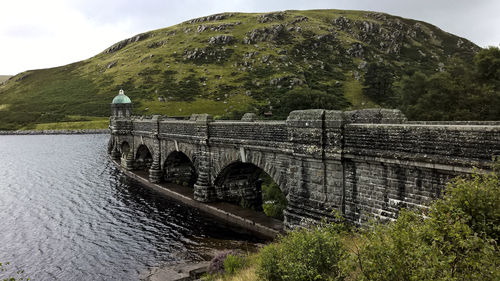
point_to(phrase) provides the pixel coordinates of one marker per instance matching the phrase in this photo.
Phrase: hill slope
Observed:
(226, 62)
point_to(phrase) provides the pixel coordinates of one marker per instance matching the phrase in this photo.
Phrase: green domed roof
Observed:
(121, 98)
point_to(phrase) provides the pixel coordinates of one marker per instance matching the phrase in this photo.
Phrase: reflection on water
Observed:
(67, 213)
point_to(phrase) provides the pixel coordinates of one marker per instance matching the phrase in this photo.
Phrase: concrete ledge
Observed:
(249, 220)
(179, 272)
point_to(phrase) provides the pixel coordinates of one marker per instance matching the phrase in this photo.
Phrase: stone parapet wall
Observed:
(184, 128)
(261, 131)
(363, 163)
(455, 145)
(486, 123)
(142, 125)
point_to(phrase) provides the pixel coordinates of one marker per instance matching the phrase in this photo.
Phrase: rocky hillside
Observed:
(232, 62)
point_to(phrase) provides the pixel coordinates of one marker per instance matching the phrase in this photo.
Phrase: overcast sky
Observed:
(46, 33)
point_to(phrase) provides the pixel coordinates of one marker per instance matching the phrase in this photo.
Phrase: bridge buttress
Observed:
(203, 189)
(155, 171)
(115, 153)
(315, 190)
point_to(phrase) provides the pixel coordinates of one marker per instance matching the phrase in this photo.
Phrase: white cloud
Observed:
(39, 34)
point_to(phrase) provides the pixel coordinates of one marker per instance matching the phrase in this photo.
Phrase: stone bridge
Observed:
(365, 163)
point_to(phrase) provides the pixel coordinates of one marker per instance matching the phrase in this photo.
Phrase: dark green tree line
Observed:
(461, 92)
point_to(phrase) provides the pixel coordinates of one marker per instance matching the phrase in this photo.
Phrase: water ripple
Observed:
(66, 213)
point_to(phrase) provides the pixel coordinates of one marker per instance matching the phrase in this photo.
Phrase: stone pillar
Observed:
(333, 159)
(129, 163)
(310, 198)
(203, 189)
(115, 154)
(155, 171)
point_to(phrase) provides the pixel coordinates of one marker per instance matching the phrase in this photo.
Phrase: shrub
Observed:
(457, 241)
(268, 263)
(473, 200)
(274, 200)
(304, 254)
(273, 210)
(19, 273)
(233, 263)
(217, 263)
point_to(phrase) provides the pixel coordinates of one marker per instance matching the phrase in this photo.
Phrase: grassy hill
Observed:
(231, 62)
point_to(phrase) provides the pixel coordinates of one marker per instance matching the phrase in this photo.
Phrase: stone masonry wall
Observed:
(459, 145)
(262, 131)
(365, 163)
(380, 190)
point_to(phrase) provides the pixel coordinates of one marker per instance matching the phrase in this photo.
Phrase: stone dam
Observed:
(363, 163)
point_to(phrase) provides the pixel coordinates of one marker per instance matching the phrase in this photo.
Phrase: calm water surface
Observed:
(66, 213)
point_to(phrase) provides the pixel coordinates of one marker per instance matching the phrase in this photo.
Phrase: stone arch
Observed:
(242, 183)
(125, 149)
(187, 149)
(259, 159)
(179, 168)
(143, 157)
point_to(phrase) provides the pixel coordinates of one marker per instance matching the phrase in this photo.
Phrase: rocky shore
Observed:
(56, 132)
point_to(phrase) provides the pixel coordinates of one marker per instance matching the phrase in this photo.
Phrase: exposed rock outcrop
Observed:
(211, 18)
(278, 16)
(356, 50)
(271, 33)
(221, 40)
(120, 45)
(219, 27)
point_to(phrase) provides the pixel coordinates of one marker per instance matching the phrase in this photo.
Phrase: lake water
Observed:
(66, 213)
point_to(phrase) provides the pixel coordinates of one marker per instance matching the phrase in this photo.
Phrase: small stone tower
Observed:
(121, 106)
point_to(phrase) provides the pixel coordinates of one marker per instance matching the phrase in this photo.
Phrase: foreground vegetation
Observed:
(227, 64)
(16, 276)
(456, 238)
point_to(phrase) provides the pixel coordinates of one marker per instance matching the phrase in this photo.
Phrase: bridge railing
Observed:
(275, 131)
(177, 128)
(142, 125)
(460, 145)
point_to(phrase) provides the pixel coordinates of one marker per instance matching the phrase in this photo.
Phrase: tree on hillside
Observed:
(461, 92)
(378, 83)
(307, 98)
(487, 63)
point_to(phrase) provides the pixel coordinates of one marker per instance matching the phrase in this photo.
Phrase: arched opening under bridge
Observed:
(179, 169)
(143, 158)
(124, 149)
(249, 186)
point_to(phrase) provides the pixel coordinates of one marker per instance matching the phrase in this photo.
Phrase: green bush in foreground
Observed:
(233, 263)
(416, 249)
(458, 240)
(304, 254)
(475, 201)
(19, 273)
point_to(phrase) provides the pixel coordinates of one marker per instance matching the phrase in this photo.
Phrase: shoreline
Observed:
(55, 132)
